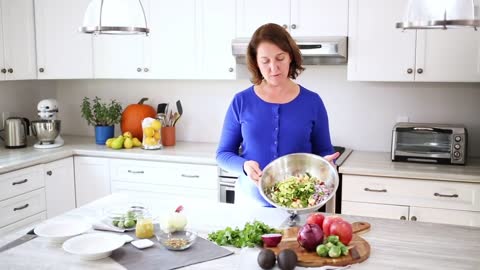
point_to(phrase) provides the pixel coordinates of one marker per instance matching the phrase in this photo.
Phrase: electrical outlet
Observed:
(5, 115)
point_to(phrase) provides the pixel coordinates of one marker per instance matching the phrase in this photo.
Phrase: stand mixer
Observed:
(47, 130)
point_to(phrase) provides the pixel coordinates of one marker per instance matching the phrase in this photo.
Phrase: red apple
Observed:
(316, 218)
(343, 230)
(327, 222)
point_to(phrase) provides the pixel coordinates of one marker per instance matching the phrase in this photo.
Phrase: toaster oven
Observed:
(431, 143)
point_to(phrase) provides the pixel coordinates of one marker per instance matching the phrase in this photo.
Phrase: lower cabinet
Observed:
(445, 202)
(165, 179)
(59, 187)
(92, 179)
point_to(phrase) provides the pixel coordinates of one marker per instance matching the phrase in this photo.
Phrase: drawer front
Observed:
(445, 216)
(22, 206)
(21, 181)
(24, 224)
(164, 173)
(177, 193)
(413, 192)
(399, 212)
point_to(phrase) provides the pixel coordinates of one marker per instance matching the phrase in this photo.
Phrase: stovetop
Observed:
(344, 153)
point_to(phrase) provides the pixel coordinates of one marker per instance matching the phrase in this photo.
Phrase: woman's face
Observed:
(274, 63)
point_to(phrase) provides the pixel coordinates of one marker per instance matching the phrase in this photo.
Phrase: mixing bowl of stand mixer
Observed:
(47, 129)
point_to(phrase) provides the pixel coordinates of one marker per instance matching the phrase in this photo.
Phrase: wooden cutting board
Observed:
(359, 249)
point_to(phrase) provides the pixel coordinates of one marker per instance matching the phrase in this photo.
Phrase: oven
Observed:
(227, 182)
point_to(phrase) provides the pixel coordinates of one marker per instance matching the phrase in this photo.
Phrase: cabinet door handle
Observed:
(49, 173)
(4, 70)
(10, 70)
(139, 69)
(41, 70)
(409, 71)
(20, 207)
(436, 194)
(403, 218)
(294, 26)
(190, 176)
(136, 172)
(230, 69)
(374, 190)
(20, 182)
(285, 26)
(145, 69)
(413, 218)
(420, 70)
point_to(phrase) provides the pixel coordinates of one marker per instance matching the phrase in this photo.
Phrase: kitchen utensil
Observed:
(16, 131)
(93, 246)
(59, 231)
(359, 248)
(295, 165)
(179, 110)
(25, 238)
(47, 130)
(162, 108)
(180, 240)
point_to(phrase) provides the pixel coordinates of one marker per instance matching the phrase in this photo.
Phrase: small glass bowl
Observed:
(179, 240)
(124, 217)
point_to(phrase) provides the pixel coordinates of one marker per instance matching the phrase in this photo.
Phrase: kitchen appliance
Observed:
(430, 143)
(47, 130)
(315, 50)
(16, 131)
(227, 182)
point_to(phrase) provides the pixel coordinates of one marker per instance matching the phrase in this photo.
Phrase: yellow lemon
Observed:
(157, 135)
(127, 134)
(148, 132)
(149, 141)
(156, 125)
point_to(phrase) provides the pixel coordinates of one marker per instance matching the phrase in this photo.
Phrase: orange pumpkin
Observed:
(133, 116)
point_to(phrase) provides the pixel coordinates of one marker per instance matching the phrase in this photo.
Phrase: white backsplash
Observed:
(361, 114)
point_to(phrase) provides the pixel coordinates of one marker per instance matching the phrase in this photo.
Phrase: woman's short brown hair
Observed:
(277, 35)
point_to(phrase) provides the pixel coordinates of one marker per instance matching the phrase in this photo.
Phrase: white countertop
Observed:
(380, 164)
(186, 152)
(395, 244)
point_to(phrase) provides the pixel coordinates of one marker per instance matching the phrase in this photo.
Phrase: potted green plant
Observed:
(103, 116)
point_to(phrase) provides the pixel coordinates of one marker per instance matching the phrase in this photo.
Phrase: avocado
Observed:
(287, 259)
(266, 259)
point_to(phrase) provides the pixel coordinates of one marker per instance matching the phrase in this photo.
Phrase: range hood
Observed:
(315, 50)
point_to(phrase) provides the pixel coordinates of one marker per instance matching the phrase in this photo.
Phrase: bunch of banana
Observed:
(123, 141)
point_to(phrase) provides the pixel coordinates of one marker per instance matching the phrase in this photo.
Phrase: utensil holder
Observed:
(168, 136)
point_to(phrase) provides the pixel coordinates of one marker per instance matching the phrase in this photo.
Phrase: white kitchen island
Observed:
(394, 244)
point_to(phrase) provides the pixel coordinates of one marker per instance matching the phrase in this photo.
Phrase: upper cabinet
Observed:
(17, 61)
(300, 17)
(380, 52)
(62, 51)
(124, 56)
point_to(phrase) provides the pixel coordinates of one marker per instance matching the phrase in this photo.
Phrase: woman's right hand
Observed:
(252, 169)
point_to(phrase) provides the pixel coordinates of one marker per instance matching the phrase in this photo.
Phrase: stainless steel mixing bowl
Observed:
(295, 165)
(45, 130)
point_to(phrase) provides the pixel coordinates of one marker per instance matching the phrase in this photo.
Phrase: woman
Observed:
(273, 117)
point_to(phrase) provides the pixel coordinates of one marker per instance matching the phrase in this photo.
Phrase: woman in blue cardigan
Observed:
(273, 117)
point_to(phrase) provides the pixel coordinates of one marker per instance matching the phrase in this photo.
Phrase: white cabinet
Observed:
(300, 17)
(380, 52)
(413, 199)
(59, 186)
(63, 52)
(165, 179)
(92, 179)
(17, 60)
(22, 198)
(124, 56)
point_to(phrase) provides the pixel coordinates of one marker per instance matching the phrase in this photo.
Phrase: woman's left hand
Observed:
(332, 157)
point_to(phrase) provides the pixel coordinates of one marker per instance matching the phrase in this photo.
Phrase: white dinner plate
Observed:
(93, 246)
(59, 231)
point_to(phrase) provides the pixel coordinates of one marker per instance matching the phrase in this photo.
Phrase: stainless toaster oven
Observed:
(432, 143)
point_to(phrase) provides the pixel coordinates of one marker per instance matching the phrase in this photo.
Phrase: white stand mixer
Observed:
(47, 110)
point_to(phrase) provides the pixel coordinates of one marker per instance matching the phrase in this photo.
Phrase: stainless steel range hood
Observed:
(315, 50)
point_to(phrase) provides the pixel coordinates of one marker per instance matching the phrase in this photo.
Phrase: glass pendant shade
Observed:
(115, 17)
(440, 14)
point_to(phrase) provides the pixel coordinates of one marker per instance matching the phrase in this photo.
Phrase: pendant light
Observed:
(440, 14)
(115, 17)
